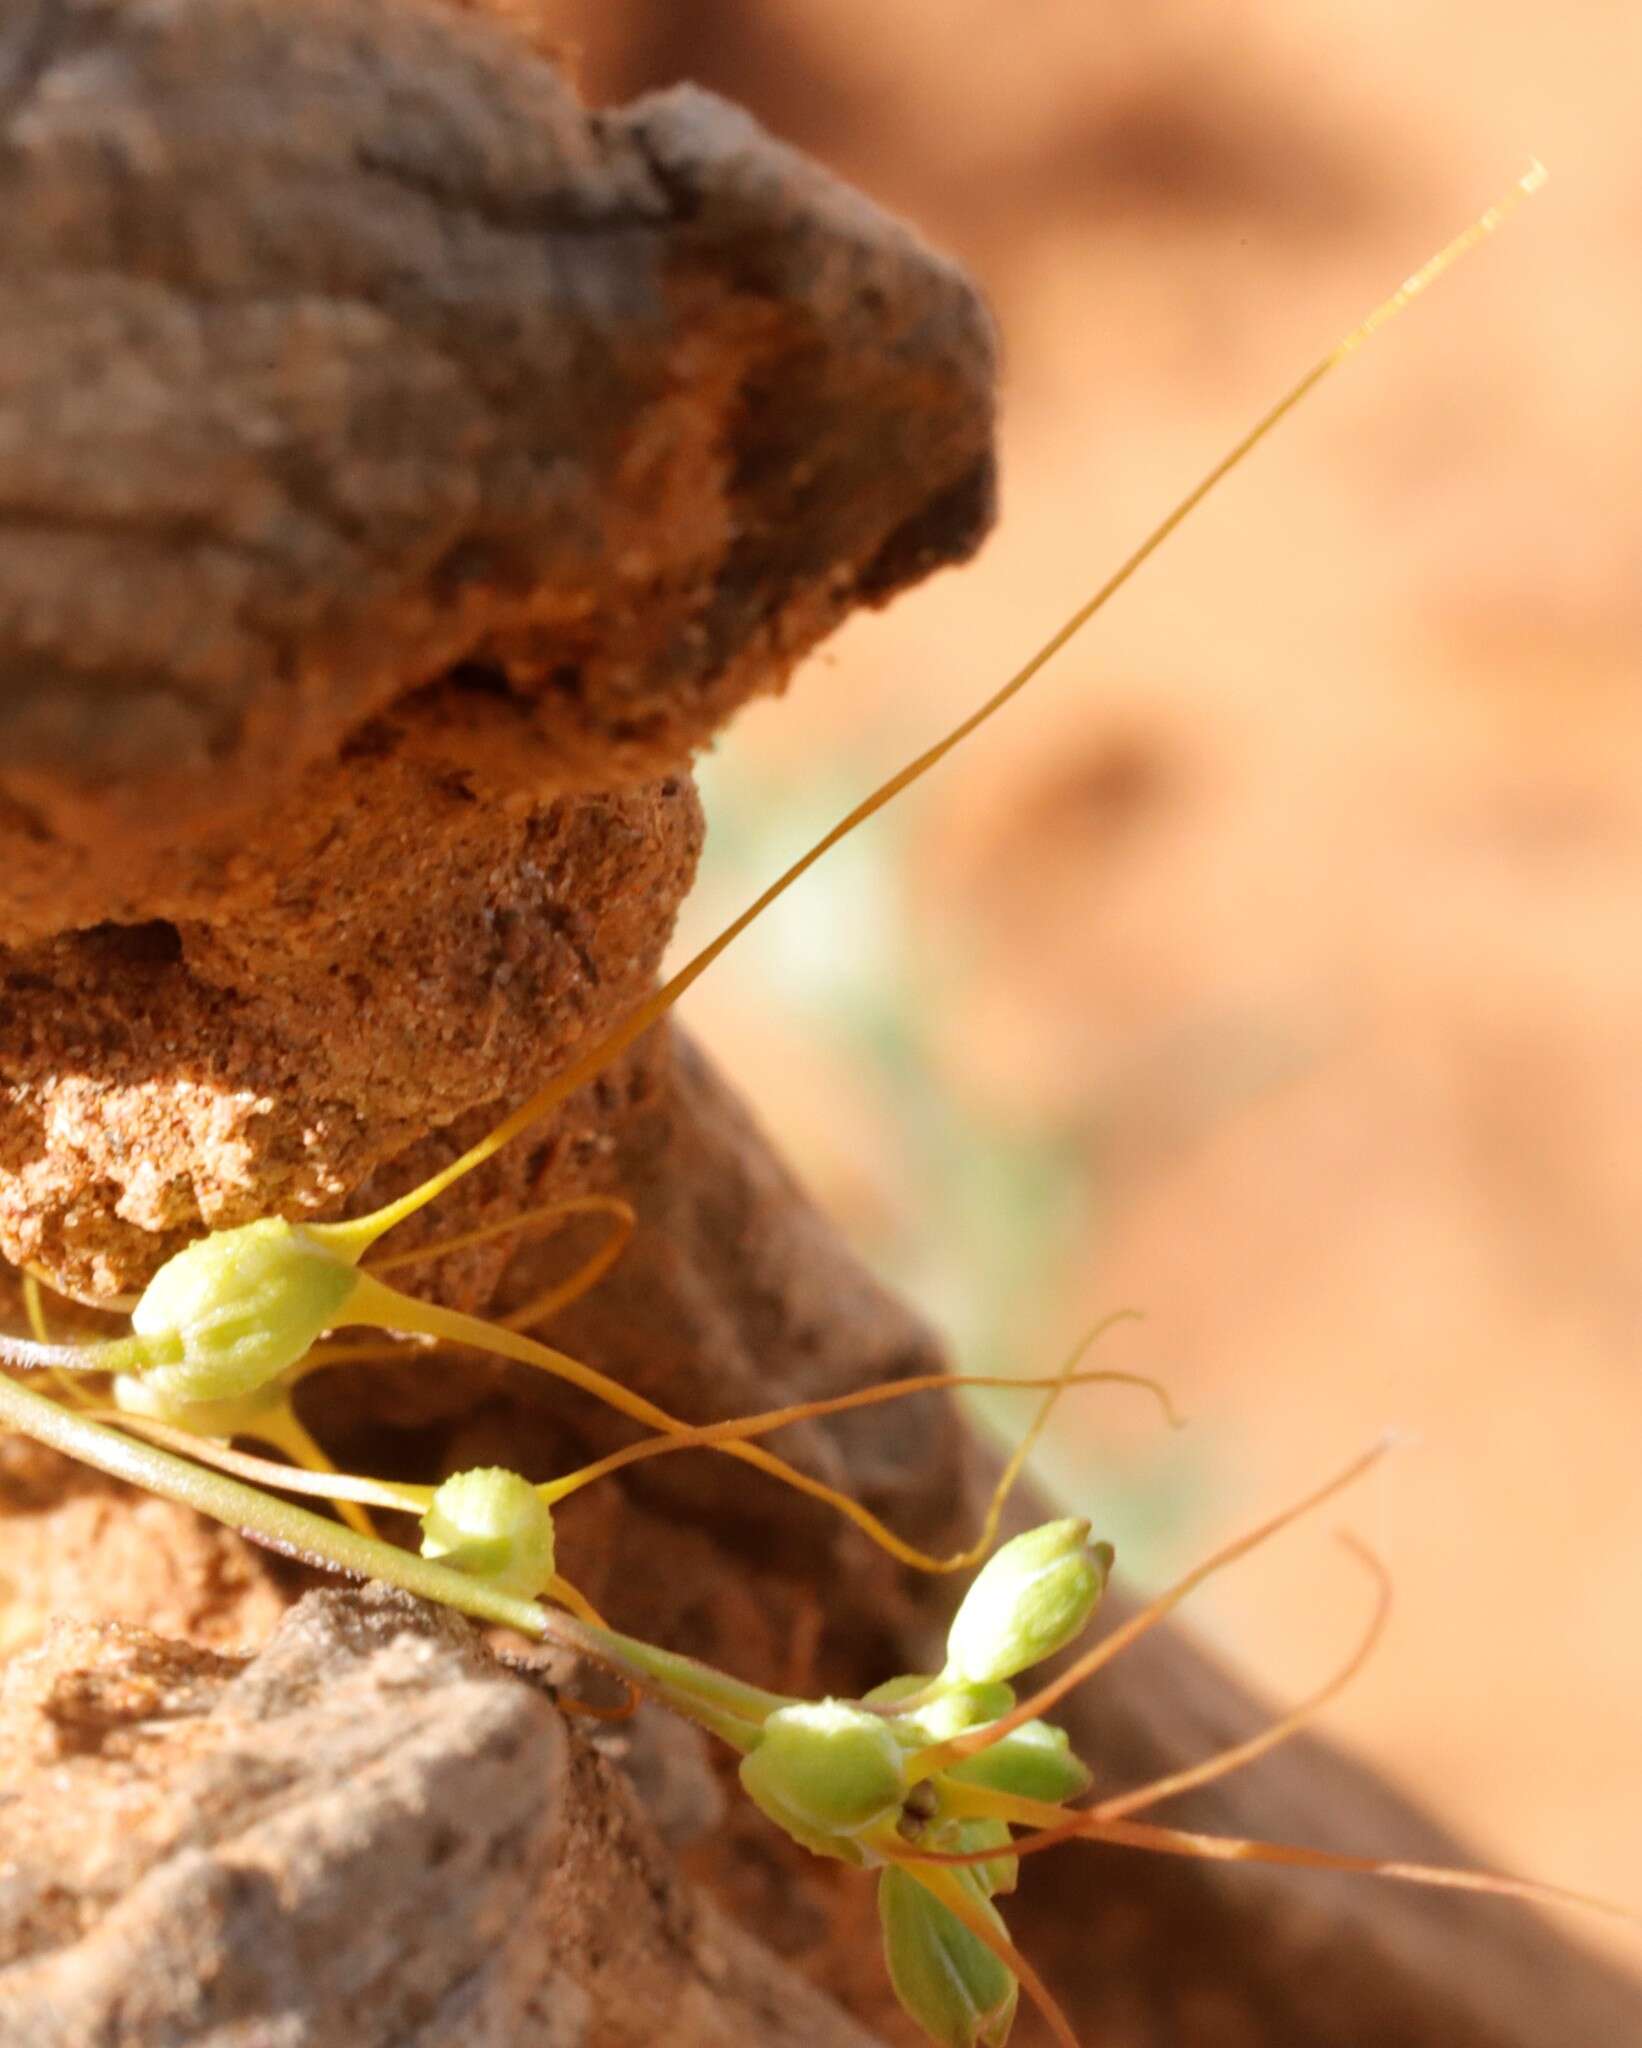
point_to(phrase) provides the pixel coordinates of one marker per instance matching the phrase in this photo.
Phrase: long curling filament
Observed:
(381, 1305)
(939, 1755)
(353, 1238)
(1053, 1825)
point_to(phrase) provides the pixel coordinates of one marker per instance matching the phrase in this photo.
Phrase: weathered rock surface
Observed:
(395, 460)
(421, 945)
(371, 1834)
(401, 472)
(340, 346)
(154, 1562)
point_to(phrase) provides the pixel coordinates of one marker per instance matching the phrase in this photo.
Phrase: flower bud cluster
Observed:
(842, 1778)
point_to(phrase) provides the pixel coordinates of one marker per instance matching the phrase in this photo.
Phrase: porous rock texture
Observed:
(402, 470)
(341, 345)
(373, 1771)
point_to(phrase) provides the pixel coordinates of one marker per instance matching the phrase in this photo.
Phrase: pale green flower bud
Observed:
(823, 1771)
(1035, 1761)
(902, 1688)
(1029, 1600)
(494, 1526)
(135, 1394)
(231, 1313)
(1002, 1873)
(948, 1711)
(951, 1983)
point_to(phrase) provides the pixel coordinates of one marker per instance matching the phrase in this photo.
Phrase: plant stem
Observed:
(723, 1705)
(279, 1524)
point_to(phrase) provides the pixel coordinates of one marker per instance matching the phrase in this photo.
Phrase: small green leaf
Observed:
(947, 1979)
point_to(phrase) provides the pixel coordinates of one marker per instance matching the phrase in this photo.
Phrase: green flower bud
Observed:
(1035, 1761)
(951, 1983)
(895, 1689)
(948, 1711)
(231, 1313)
(1029, 1600)
(494, 1526)
(136, 1395)
(1002, 1873)
(823, 1771)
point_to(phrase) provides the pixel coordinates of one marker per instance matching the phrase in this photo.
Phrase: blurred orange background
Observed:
(1274, 967)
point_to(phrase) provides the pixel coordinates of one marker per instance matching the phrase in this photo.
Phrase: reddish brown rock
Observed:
(402, 470)
(393, 457)
(371, 1835)
(420, 942)
(340, 346)
(79, 1547)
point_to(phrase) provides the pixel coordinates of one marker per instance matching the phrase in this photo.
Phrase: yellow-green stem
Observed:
(725, 1705)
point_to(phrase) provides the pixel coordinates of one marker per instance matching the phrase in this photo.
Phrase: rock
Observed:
(80, 1547)
(402, 469)
(370, 1836)
(341, 349)
(421, 947)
